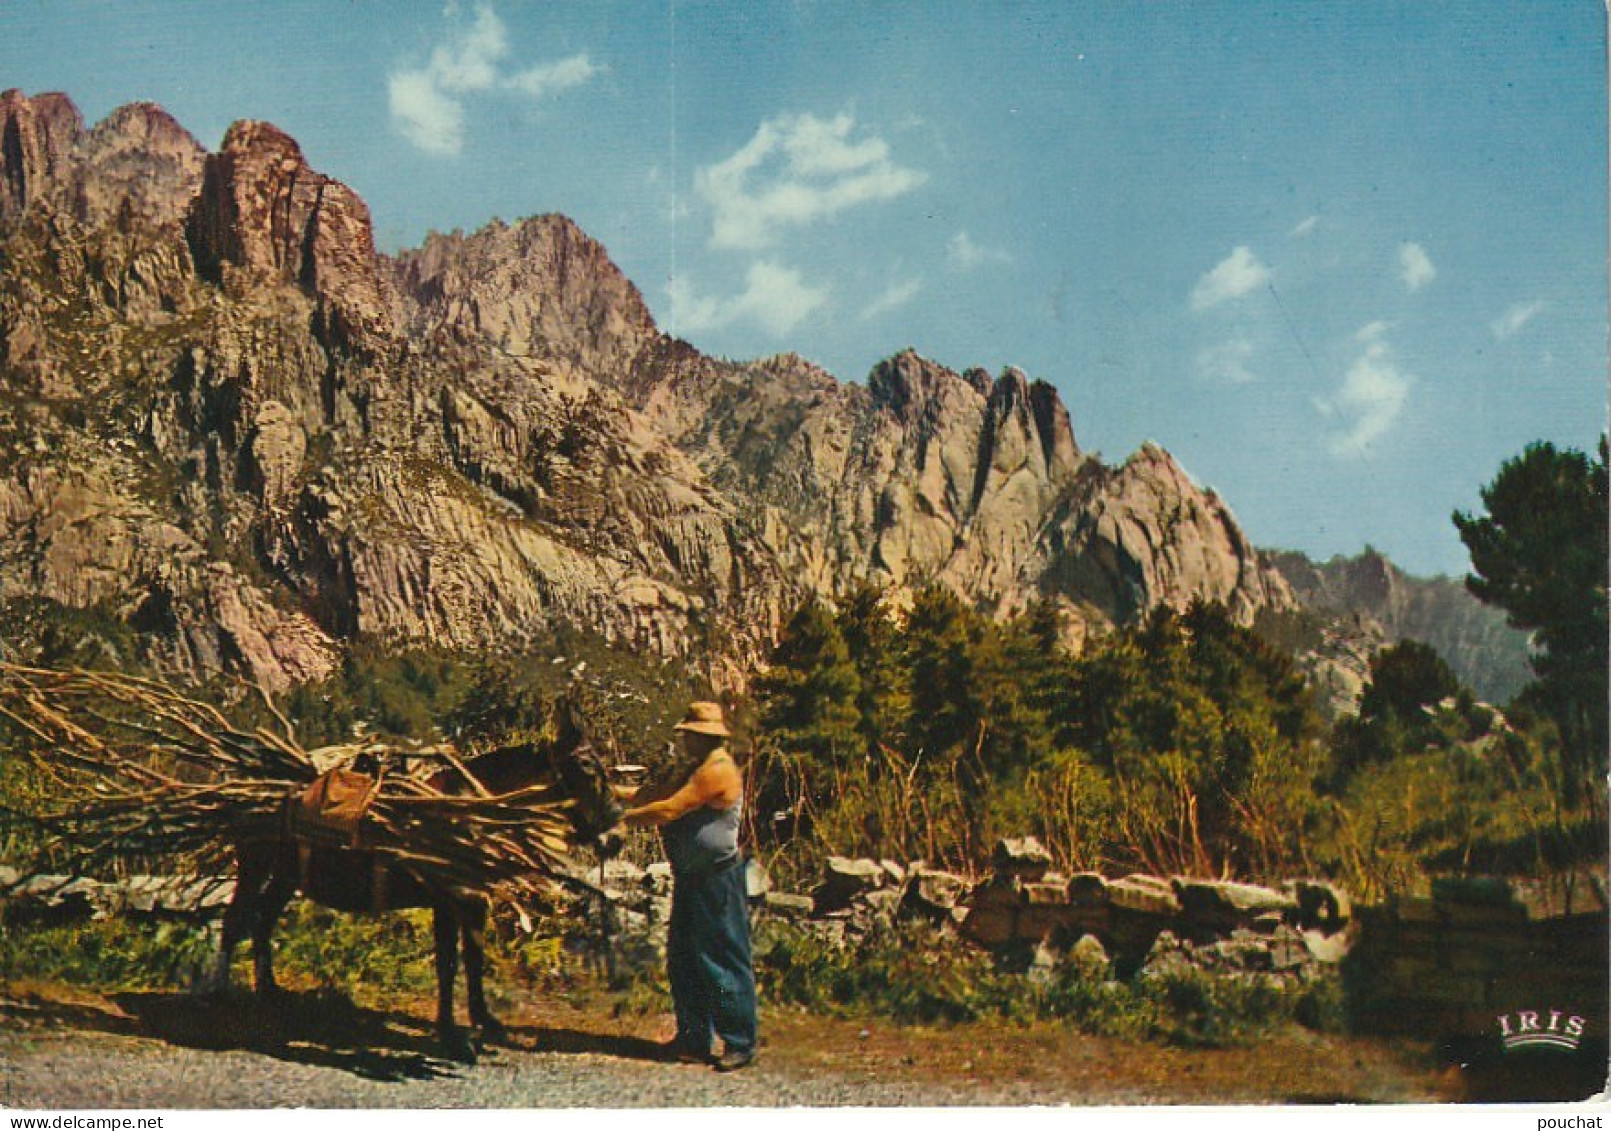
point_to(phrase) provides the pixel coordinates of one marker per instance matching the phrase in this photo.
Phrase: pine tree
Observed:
(1404, 679)
(945, 713)
(1541, 554)
(877, 649)
(808, 698)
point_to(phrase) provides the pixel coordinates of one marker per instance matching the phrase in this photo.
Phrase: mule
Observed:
(270, 872)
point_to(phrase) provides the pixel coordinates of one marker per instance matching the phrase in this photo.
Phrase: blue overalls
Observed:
(708, 945)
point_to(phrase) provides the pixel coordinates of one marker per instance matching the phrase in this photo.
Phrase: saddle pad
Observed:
(333, 803)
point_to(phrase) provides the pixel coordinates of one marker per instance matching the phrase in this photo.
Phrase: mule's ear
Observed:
(568, 729)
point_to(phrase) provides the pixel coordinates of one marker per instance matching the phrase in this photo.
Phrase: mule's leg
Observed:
(238, 917)
(473, 928)
(251, 875)
(447, 965)
(271, 907)
(446, 925)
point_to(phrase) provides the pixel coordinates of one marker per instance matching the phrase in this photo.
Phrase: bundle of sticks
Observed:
(122, 770)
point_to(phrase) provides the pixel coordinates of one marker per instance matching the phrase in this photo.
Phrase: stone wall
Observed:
(1451, 964)
(1023, 902)
(1446, 966)
(47, 900)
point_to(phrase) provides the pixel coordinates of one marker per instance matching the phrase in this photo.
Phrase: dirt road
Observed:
(161, 1050)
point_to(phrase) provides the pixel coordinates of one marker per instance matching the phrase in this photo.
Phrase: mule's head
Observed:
(580, 773)
(569, 762)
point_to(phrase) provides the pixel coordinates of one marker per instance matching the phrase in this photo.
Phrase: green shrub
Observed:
(336, 951)
(313, 946)
(388, 953)
(913, 974)
(108, 954)
(1322, 1005)
(1454, 805)
(1094, 1005)
(1195, 1008)
(910, 976)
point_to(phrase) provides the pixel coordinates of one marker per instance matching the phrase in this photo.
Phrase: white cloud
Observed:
(551, 78)
(966, 255)
(1415, 266)
(896, 295)
(1511, 322)
(776, 298)
(425, 116)
(427, 103)
(1227, 362)
(796, 170)
(1236, 275)
(469, 59)
(1372, 395)
(1304, 227)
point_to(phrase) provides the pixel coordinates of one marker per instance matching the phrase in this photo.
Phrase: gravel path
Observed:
(63, 1049)
(76, 1070)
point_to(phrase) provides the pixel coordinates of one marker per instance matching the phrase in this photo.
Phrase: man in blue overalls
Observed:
(698, 809)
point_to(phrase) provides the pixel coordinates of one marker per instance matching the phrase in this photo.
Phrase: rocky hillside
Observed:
(231, 424)
(1369, 599)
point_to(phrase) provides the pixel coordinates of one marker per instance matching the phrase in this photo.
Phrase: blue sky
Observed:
(1342, 258)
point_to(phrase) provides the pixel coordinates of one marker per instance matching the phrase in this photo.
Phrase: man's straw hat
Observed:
(704, 718)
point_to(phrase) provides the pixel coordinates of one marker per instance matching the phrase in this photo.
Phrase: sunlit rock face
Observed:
(231, 423)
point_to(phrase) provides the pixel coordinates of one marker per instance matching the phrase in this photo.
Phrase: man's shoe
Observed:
(734, 1059)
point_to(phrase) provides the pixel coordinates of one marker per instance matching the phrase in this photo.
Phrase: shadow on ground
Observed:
(544, 1038)
(315, 1028)
(318, 1028)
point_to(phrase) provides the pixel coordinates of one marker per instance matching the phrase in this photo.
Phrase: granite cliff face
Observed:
(232, 424)
(1368, 601)
(264, 219)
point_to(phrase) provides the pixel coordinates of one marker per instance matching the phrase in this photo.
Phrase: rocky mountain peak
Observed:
(58, 116)
(1372, 579)
(1012, 386)
(147, 122)
(138, 166)
(1154, 464)
(540, 289)
(909, 384)
(37, 137)
(487, 438)
(979, 377)
(791, 364)
(1056, 430)
(1368, 597)
(1148, 536)
(264, 217)
(1026, 425)
(139, 162)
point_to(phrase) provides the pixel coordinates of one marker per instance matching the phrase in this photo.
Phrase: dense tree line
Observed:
(1184, 744)
(1188, 743)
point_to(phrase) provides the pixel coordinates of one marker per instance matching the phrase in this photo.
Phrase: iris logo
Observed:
(1531, 1029)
